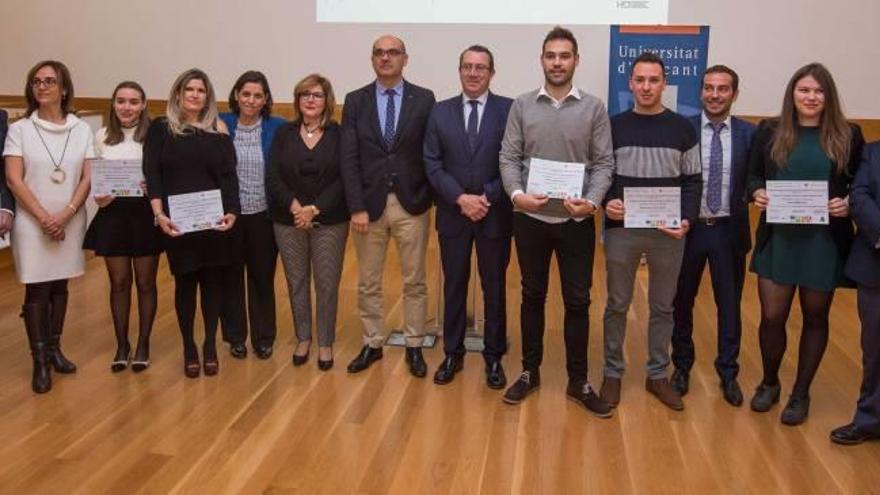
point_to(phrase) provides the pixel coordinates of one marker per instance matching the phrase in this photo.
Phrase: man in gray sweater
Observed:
(557, 123)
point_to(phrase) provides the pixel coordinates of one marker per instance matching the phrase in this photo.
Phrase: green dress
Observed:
(804, 255)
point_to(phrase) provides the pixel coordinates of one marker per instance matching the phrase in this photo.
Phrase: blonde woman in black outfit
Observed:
(307, 204)
(189, 151)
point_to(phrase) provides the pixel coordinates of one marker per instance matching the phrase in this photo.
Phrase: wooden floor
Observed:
(267, 427)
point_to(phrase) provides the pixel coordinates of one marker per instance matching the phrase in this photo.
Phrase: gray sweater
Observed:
(578, 131)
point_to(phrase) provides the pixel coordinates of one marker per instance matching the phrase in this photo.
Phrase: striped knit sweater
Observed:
(659, 150)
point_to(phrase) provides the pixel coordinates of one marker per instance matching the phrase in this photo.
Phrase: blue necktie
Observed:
(472, 123)
(388, 132)
(716, 167)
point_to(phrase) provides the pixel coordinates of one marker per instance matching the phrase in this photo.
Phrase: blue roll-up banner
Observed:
(684, 50)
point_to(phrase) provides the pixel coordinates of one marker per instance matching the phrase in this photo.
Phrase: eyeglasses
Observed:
(49, 82)
(308, 95)
(479, 68)
(391, 52)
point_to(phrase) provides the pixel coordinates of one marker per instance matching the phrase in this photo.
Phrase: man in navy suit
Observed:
(388, 195)
(721, 235)
(461, 158)
(863, 266)
(7, 202)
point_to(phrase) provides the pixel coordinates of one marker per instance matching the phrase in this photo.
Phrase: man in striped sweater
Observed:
(653, 147)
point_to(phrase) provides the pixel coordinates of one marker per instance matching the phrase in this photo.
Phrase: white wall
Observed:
(151, 41)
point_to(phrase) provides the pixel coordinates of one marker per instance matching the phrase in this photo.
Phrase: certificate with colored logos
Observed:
(797, 201)
(117, 178)
(652, 207)
(196, 211)
(558, 180)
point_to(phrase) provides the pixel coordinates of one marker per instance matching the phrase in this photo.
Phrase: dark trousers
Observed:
(493, 255)
(717, 245)
(868, 408)
(574, 245)
(259, 258)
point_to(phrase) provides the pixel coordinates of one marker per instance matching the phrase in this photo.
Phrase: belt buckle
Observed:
(710, 221)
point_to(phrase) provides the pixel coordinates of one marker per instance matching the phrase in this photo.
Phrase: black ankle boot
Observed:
(35, 324)
(56, 326)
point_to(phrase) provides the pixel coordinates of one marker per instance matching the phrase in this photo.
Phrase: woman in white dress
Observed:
(47, 169)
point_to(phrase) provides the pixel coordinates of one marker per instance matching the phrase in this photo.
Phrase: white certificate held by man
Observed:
(652, 207)
(558, 180)
(196, 211)
(797, 201)
(117, 178)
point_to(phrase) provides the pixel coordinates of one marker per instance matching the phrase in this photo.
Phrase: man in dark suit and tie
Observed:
(7, 202)
(863, 266)
(383, 129)
(720, 236)
(461, 158)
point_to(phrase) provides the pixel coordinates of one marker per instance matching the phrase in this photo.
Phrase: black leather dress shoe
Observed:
(765, 396)
(238, 351)
(417, 366)
(495, 378)
(852, 435)
(732, 393)
(681, 381)
(367, 356)
(447, 370)
(263, 351)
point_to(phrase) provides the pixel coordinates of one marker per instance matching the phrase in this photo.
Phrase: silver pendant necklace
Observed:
(58, 175)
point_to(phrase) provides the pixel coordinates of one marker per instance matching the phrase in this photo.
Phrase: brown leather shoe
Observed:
(662, 389)
(610, 391)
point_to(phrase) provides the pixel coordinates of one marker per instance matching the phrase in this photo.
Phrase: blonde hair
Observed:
(329, 99)
(207, 120)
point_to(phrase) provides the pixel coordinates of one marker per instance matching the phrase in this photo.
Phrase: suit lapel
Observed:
(484, 122)
(373, 113)
(459, 124)
(406, 107)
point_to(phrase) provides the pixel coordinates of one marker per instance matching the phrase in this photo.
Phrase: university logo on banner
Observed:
(684, 50)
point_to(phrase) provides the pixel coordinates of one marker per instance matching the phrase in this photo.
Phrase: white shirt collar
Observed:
(483, 98)
(573, 92)
(704, 121)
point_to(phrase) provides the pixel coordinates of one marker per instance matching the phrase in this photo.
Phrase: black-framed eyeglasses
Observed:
(391, 52)
(479, 68)
(312, 95)
(49, 82)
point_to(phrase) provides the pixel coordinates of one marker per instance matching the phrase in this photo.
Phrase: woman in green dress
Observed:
(811, 140)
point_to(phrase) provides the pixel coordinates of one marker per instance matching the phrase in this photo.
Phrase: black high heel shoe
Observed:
(211, 364)
(121, 360)
(303, 359)
(325, 364)
(140, 364)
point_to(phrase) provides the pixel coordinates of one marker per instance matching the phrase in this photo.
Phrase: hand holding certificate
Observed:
(797, 202)
(193, 212)
(556, 180)
(117, 178)
(652, 207)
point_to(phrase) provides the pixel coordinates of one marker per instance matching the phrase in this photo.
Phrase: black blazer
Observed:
(454, 168)
(370, 170)
(762, 169)
(285, 180)
(7, 202)
(863, 265)
(741, 134)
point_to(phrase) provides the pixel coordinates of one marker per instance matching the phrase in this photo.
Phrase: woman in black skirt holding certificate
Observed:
(123, 231)
(186, 152)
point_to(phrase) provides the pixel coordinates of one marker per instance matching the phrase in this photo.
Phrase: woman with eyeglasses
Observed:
(189, 151)
(307, 204)
(122, 231)
(252, 128)
(811, 140)
(47, 158)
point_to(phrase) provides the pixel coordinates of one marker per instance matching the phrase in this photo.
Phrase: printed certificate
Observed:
(196, 211)
(558, 180)
(797, 201)
(118, 178)
(652, 207)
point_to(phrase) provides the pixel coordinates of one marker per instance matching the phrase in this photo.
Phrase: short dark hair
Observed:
(479, 49)
(65, 85)
(648, 58)
(723, 69)
(251, 76)
(560, 33)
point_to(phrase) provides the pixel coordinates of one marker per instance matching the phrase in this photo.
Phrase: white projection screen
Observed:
(584, 12)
